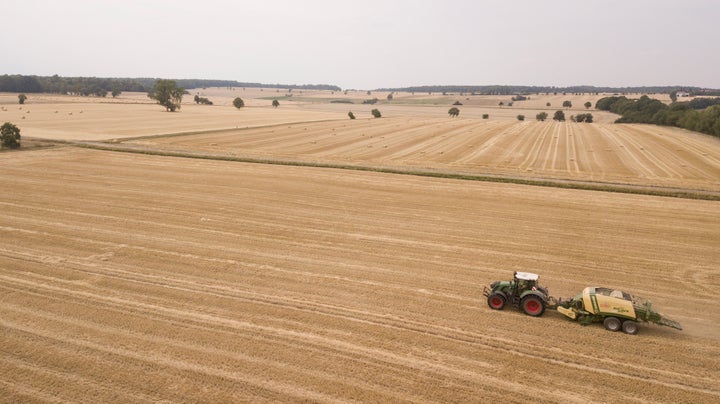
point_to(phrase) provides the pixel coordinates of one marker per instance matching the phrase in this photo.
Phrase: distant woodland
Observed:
(98, 86)
(101, 87)
(700, 114)
(514, 90)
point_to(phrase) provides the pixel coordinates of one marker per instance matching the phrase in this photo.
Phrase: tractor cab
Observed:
(522, 291)
(525, 281)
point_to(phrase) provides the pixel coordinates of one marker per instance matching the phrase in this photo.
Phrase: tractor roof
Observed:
(526, 276)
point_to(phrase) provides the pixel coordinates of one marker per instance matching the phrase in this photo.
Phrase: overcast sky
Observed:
(370, 43)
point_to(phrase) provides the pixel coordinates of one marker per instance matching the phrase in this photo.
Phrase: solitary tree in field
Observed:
(238, 103)
(9, 136)
(376, 113)
(547, 104)
(202, 100)
(588, 105)
(486, 116)
(673, 96)
(541, 116)
(583, 118)
(559, 116)
(22, 98)
(351, 115)
(167, 93)
(453, 112)
(521, 117)
(390, 97)
(567, 104)
(501, 103)
(276, 103)
(116, 92)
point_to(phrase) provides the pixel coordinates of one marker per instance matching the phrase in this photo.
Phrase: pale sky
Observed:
(369, 44)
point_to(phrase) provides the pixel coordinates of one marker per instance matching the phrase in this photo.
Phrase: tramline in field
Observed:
(617, 310)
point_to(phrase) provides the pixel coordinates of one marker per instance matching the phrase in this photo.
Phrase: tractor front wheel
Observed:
(630, 327)
(496, 301)
(612, 324)
(532, 305)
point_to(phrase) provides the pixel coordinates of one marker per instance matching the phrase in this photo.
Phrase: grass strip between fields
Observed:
(221, 130)
(565, 184)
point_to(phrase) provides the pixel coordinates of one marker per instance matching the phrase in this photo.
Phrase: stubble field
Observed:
(128, 277)
(602, 153)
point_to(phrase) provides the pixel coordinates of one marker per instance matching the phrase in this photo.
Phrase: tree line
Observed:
(699, 116)
(101, 87)
(514, 90)
(84, 86)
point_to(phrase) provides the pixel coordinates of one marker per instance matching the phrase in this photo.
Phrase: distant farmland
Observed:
(632, 154)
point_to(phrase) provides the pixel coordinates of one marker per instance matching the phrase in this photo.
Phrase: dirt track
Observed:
(139, 278)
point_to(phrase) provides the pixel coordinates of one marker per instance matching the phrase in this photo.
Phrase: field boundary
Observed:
(211, 131)
(540, 182)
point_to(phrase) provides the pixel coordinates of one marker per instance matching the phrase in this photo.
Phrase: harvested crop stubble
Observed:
(640, 155)
(144, 278)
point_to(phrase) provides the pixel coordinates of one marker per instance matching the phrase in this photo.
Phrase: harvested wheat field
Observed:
(60, 117)
(134, 278)
(605, 153)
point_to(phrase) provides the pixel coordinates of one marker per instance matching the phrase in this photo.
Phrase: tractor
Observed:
(523, 291)
(617, 310)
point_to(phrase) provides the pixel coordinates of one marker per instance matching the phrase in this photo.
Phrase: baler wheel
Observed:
(612, 324)
(630, 327)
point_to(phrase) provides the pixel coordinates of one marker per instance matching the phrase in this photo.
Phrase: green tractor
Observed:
(522, 291)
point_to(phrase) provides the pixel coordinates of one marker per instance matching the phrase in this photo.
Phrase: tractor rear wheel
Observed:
(612, 324)
(532, 305)
(630, 327)
(497, 301)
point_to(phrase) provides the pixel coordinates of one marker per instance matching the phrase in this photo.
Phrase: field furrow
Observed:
(147, 278)
(632, 154)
